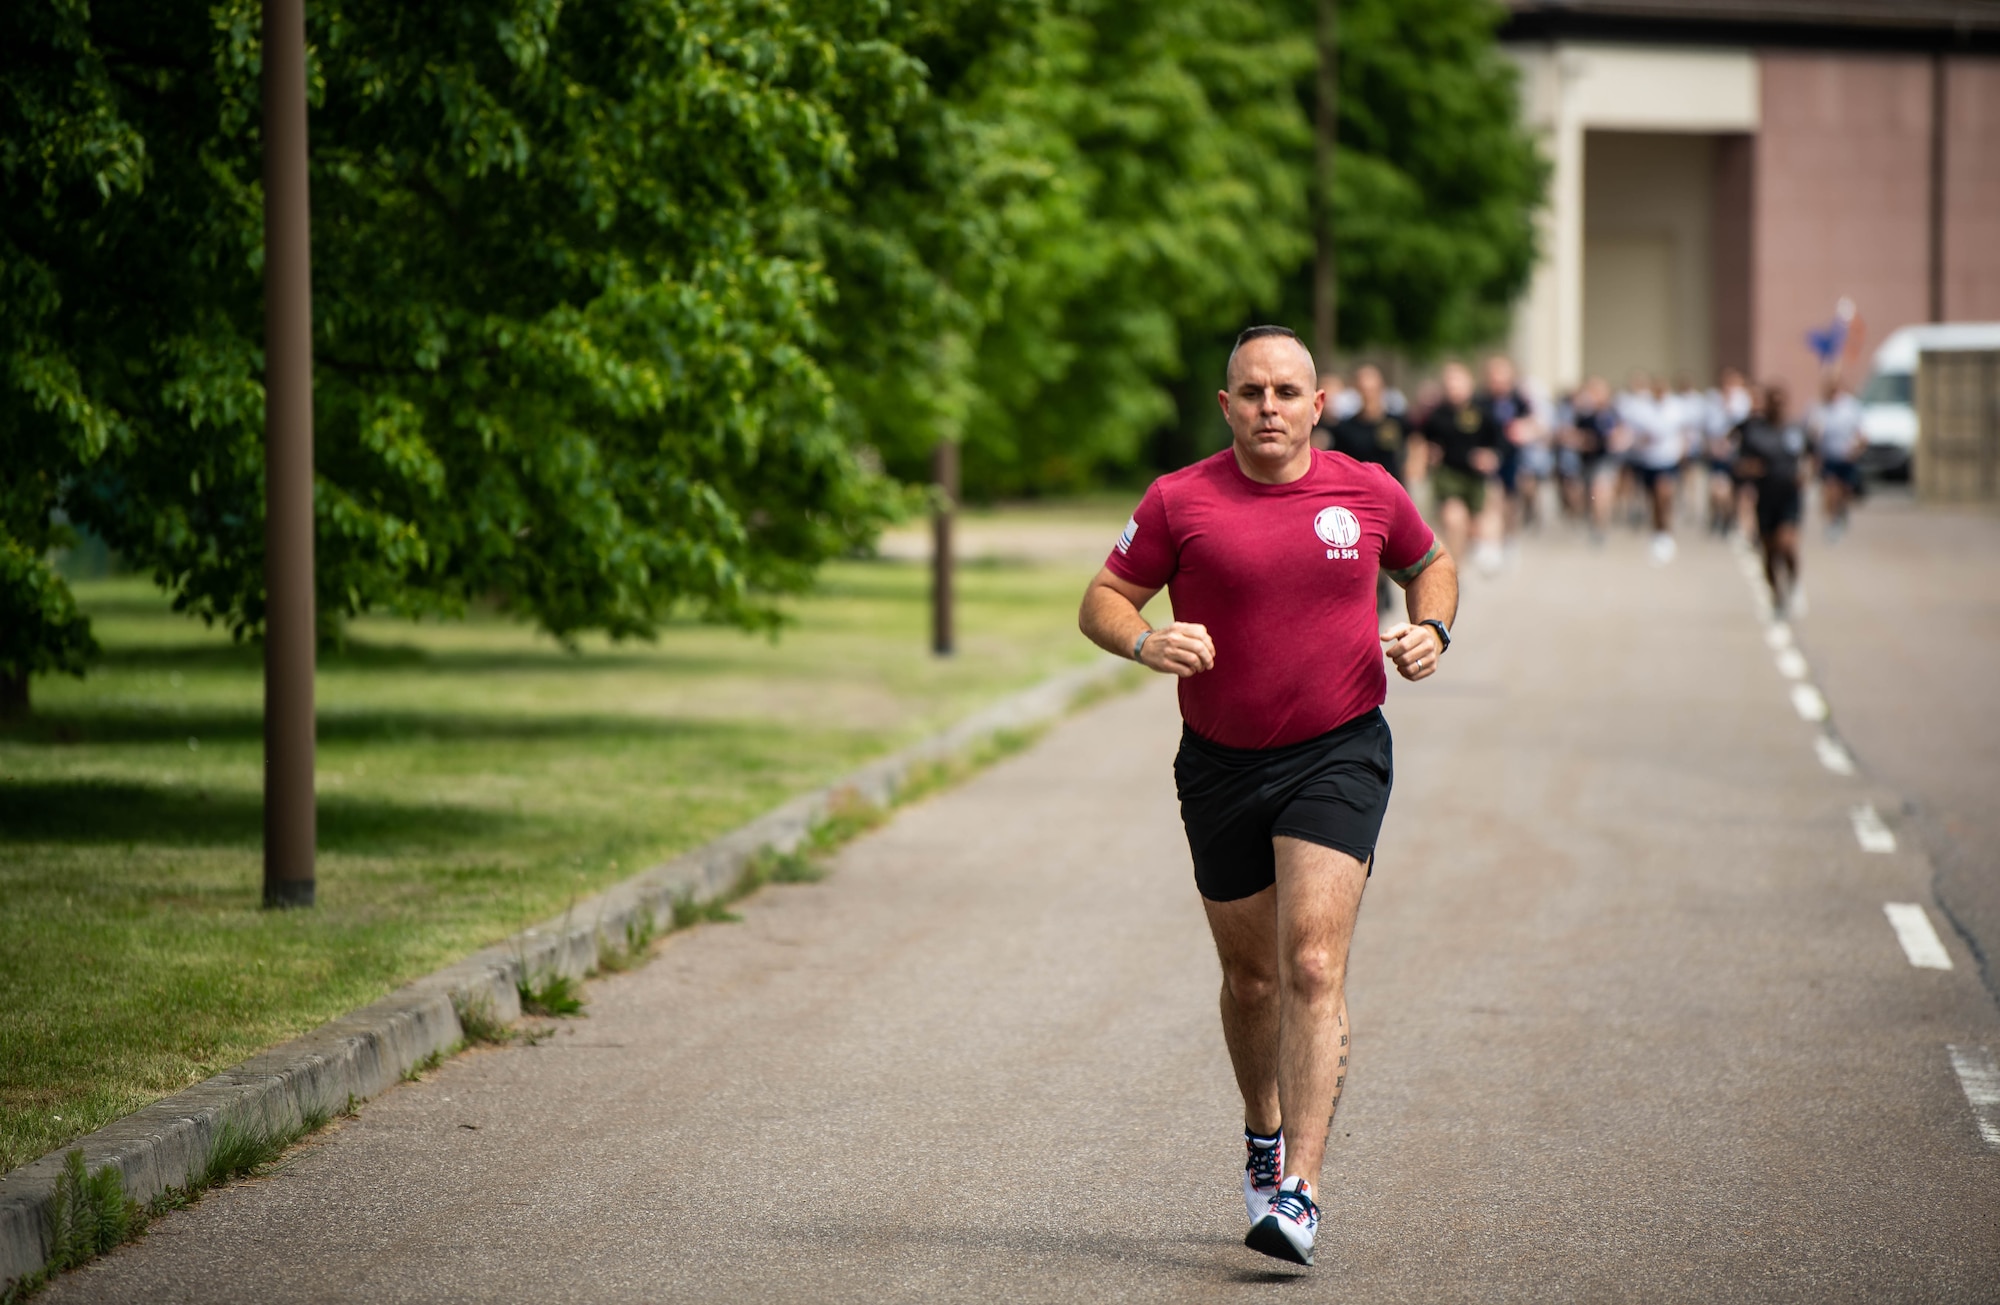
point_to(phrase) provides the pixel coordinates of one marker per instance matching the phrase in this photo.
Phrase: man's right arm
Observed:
(1110, 619)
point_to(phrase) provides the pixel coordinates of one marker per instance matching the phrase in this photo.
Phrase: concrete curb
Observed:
(365, 1051)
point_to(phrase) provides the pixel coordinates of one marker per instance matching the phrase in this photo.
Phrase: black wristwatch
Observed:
(1443, 633)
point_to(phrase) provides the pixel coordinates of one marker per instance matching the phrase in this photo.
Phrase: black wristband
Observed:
(1443, 633)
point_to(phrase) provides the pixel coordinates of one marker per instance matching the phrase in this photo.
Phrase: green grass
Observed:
(474, 778)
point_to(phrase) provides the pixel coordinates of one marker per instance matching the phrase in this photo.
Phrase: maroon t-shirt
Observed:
(1283, 576)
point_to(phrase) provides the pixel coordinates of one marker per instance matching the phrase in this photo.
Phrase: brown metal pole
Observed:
(289, 624)
(1326, 125)
(1938, 107)
(944, 471)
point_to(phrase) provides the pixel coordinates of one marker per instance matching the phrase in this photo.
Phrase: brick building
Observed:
(1724, 173)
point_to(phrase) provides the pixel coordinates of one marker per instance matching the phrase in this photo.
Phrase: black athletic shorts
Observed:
(1778, 504)
(1331, 790)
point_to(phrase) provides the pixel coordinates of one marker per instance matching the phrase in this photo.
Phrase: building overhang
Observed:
(1950, 26)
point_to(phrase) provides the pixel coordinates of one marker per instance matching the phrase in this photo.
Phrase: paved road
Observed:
(1904, 633)
(1631, 1024)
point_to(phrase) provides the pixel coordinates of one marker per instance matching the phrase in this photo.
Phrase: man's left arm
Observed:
(1430, 595)
(1430, 587)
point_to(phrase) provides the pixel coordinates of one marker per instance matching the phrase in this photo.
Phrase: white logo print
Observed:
(1337, 526)
(1125, 539)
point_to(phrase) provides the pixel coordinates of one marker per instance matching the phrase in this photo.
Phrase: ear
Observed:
(1222, 398)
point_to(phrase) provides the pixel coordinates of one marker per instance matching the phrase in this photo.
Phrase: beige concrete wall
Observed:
(1569, 89)
(1972, 190)
(1841, 202)
(1648, 203)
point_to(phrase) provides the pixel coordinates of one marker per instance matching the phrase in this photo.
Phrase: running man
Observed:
(1467, 443)
(1268, 551)
(1370, 434)
(1770, 457)
(1522, 455)
(1728, 405)
(1836, 428)
(1593, 431)
(1655, 421)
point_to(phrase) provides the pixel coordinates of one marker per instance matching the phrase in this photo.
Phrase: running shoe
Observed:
(1286, 1233)
(1261, 1174)
(1663, 548)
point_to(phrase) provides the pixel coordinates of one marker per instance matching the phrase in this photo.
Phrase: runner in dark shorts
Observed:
(1269, 551)
(1770, 456)
(1465, 445)
(1593, 427)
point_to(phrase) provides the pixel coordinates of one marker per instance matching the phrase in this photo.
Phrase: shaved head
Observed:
(1280, 333)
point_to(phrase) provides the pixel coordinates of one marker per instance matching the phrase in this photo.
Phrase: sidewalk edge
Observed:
(366, 1051)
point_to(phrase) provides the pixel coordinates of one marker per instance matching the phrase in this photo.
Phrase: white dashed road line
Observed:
(1920, 941)
(1869, 831)
(1978, 1075)
(1833, 756)
(1980, 1078)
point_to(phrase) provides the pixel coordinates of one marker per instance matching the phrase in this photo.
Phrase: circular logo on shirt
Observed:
(1337, 526)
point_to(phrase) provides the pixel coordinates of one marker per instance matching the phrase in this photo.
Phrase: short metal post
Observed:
(944, 473)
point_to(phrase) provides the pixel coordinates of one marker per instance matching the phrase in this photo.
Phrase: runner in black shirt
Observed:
(1512, 411)
(1465, 443)
(1370, 434)
(1769, 456)
(1592, 426)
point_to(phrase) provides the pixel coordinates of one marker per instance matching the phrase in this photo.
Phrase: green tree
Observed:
(1025, 257)
(565, 301)
(64, 156)
(1437, 182)
(1177, 204)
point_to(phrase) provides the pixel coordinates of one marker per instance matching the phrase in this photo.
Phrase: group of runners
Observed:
(1271, 552)
(1651, 455)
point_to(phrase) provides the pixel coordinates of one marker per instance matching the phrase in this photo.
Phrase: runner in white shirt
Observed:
(1657, 444)
(1836, 430)
(1727, 407)
(1691, 412)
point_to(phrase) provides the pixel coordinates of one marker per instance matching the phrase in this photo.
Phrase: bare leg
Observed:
(1319, 895)
(1246, 941)
(1781, 555)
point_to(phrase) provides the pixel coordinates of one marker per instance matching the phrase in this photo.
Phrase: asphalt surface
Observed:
(1630, 1021)
(1904, 631)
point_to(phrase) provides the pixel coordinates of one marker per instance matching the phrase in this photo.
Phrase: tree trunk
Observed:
(1326, 117)
(13, 695)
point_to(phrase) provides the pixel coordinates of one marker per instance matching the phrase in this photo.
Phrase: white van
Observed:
(1888, 411)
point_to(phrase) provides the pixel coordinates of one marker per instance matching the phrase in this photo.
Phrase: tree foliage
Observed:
(1436, 184)
(645, 306)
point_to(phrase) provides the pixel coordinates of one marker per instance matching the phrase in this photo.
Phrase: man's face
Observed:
(1499, 375)
(1457, 384)
(1368, 382)
(1271, 403)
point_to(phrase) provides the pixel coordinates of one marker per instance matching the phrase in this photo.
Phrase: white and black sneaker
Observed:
(1262, 1172)
(1286, 1231)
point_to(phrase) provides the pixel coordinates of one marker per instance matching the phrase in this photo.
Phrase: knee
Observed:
(1312, 975)
(1250, 986)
